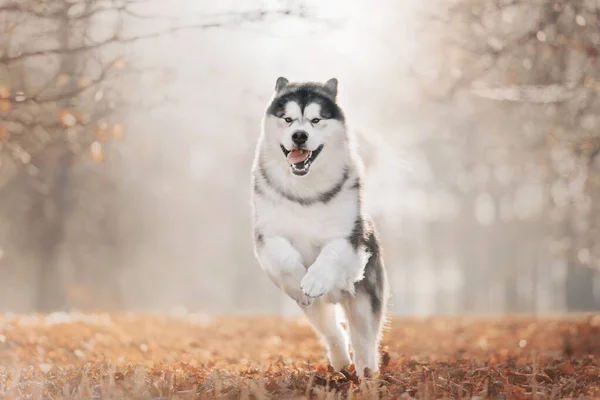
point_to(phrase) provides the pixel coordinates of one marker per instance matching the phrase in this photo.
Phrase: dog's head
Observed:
(304, 121)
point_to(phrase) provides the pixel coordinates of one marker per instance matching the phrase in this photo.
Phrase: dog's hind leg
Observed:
(365, 324)
(365, 312)
(324, 320)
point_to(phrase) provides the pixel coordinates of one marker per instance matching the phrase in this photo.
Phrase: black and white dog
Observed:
(311, 236)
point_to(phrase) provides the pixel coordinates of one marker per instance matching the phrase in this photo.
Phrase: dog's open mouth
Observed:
(301, 159)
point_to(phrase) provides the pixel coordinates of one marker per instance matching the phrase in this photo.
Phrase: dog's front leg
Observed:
(284, 266)
(338, 266)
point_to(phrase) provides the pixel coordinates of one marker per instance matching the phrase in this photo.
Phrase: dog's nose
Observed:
(299, 137)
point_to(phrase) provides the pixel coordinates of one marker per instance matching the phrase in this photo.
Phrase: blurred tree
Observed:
(63, 88)
(527, 74)
(60, 93)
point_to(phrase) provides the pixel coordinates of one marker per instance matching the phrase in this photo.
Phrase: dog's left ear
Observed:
(332, 87)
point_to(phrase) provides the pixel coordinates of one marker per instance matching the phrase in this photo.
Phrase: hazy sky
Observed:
(202, 143)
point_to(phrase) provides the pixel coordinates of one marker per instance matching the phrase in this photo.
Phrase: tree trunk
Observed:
(51, 210)
(580, 289)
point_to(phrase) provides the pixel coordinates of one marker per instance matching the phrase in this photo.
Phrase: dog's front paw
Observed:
(317, 281)
(304, 301)
(291, 279)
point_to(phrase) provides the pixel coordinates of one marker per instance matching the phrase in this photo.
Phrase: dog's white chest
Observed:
(308, 228)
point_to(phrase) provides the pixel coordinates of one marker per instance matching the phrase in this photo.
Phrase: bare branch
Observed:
(78, 90)
(24, 9)
(118, 39)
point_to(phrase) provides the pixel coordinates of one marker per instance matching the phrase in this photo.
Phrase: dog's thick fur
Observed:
(310, 234)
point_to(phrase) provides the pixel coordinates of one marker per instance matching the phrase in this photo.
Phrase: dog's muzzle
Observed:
(300, 159)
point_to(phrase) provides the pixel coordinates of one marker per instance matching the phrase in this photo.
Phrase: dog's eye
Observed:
(315, 120)
(288, 119)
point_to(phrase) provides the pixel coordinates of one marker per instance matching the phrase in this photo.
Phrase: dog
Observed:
(311, 236)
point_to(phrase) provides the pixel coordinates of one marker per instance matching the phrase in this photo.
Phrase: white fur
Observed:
(284, 266)
(325, 321)
(305, 250)
(338, 266)
(364, 332)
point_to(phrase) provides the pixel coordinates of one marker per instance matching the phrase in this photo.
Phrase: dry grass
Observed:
(194, 356)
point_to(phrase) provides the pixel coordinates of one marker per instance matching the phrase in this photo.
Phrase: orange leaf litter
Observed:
(135, 356)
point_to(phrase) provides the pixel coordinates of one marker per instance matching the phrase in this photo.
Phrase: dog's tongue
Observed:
(297, 156)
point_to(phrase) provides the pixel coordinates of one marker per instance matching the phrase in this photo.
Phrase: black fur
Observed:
(357, 237)
(259, 237)
(257, 189)
(304, 94)
(374, 282)
(324, 197)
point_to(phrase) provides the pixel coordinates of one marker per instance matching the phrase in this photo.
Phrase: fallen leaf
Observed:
(5, 106)
(4, 92)
(118, 131)
(97, 152)
(67, 118)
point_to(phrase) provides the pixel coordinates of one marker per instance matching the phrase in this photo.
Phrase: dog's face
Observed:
(305, 123)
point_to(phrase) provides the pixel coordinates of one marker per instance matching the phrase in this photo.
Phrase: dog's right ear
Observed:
(281, 84)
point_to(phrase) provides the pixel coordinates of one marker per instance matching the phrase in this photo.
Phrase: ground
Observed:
(97, 356)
